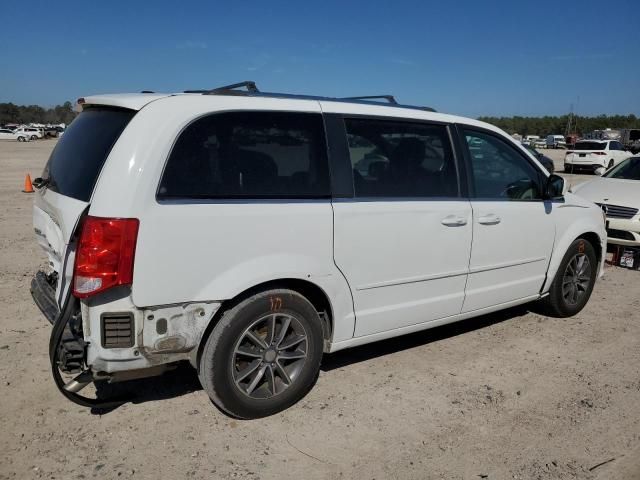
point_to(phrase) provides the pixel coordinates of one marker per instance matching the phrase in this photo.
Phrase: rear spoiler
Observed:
(132, 101)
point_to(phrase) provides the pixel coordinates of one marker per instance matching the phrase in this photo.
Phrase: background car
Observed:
(556, 141)
(593, 154)
(543, 159)
(51, 132)
(32, 132)
(539, 143)
(6, 134)
(618, 192)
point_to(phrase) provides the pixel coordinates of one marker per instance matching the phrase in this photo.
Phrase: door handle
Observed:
(490, 219)
(454, 221)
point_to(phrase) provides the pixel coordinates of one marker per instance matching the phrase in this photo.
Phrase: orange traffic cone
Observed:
(28, 188)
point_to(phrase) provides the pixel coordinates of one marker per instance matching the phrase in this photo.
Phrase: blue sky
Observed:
(465, 57)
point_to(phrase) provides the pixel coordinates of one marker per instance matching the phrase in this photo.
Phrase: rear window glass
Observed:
(249, 155)
(590, 146)
(75, 163)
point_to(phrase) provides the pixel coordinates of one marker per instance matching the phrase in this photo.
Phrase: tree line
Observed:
(10, 113)
(558, 125)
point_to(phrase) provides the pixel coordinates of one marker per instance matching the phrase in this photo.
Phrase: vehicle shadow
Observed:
(184, 379)
(405, 342)
(172, 384)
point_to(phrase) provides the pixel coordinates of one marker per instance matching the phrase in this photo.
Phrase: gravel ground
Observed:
(513, 395)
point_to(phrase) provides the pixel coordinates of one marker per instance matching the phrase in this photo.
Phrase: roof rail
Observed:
(390, 98)
(250, 89)
(230, 89)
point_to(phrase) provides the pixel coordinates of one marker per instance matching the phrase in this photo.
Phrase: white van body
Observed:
(384, 266)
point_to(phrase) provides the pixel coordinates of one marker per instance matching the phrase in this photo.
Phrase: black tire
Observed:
(34, 137)
(222, 366)
(21, 139)
(556, 304)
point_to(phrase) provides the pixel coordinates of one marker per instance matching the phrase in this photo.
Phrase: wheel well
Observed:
(309, 290)
(594, 240)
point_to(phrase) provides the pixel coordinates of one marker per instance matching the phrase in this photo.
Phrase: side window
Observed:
(249, 155)
(398, 159)
(499, 170)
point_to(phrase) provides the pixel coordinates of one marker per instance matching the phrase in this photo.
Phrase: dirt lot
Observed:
(507, 396)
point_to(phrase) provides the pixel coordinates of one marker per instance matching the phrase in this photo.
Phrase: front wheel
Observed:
(574, 281)
(263, 355)
(34, 137)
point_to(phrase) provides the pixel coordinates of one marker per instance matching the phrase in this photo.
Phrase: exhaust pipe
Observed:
(78, 383)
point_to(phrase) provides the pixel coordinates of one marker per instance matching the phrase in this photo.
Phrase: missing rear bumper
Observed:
(44, 295)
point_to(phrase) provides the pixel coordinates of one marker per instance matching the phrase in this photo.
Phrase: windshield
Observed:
(628, 170)
(75, 163)
(590, 146)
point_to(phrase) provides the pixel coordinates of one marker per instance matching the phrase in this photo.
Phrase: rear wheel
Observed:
(574, 281)
(263, 355)
(21, 139)
(34, 137)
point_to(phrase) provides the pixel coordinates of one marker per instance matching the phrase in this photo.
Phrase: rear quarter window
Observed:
(249, 155)
(590, 146)
(76, 161)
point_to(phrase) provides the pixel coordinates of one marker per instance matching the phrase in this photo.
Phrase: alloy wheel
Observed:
(269, 355)
(577, 279)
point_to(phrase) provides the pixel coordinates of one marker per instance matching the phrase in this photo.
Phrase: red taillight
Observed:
(598, 153)
(105, 254)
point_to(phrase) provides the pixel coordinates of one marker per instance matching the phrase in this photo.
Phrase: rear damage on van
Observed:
(85, 289)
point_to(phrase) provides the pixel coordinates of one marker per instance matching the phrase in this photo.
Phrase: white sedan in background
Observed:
(593, 154)
(618, 190)
(6, 134)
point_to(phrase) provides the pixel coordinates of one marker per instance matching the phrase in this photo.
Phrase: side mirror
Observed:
(600, 171)
(554, 187)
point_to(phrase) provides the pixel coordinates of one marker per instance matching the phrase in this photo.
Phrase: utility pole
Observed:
(567, 131)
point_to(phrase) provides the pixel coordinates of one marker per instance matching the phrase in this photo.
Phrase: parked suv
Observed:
(591, 155)
(251, 233)
(32, 132)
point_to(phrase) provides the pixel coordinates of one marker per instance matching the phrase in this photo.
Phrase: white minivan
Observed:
(250, 233)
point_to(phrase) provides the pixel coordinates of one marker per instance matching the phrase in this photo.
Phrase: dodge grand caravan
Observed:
(250, 233)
